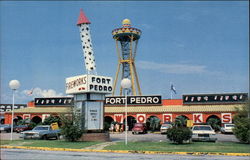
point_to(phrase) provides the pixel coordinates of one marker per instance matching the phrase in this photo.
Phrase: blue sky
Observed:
(201, 47)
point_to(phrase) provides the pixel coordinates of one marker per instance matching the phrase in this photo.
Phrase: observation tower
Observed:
(126, 39)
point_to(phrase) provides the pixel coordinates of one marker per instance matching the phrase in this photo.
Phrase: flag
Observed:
(30, 92)
(173, 88)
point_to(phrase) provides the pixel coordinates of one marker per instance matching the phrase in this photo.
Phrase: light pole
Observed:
(14, 85)
(126, 83)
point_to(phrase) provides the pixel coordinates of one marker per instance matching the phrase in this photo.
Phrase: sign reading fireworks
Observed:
(88, 83)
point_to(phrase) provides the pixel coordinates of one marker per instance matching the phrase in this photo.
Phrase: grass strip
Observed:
(222, 147)
(49, 143)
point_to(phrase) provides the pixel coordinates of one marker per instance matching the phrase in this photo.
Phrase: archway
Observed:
(214, 121)
(181, 120)
(36, 119)
(17, 119)
(153, 123)
(131, 122)
(107, 122)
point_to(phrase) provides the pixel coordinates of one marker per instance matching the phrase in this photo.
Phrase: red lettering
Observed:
(226, 118)
(167, 117)
(197, 118)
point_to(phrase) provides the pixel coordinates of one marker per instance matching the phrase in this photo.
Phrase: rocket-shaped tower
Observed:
(126, 44)
(89, 59)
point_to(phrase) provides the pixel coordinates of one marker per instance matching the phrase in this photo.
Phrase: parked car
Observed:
(139, 128)
(203, 133)
(228, 128)
(5, 128)
(21, 128)
(165, 127)
(40, 132)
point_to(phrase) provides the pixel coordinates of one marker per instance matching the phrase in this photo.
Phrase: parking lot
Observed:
(149, 137)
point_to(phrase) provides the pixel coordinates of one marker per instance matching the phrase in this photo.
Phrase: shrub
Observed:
(72, 128)
(179, 134)
(242, 124)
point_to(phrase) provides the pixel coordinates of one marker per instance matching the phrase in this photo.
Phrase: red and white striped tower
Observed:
(89, 58)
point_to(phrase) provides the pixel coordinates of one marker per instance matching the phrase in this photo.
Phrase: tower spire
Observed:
(82, 19)
(88, 53)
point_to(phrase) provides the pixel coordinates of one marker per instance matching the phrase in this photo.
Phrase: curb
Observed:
(125, 151)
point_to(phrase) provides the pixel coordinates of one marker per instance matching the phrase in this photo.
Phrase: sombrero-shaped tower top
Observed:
(126, 30)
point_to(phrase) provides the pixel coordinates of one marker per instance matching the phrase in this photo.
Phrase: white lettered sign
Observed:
(88, 83)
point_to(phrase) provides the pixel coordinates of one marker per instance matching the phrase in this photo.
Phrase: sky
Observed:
(199, 47)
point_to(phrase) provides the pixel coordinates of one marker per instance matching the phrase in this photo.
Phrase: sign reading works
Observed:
(88, 83)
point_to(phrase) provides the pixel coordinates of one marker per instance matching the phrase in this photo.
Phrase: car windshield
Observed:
(203, 128)
(229, 125)
(41, 128)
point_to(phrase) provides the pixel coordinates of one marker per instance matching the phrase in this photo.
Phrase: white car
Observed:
(165, 127)
(203, 133)
(228, 128)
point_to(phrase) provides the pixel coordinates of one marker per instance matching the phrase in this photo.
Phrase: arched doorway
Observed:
(153, 123)
(181, 120)
(17, 119)
(36, 119)
(214, 121)
(131, 122)
(107, 122)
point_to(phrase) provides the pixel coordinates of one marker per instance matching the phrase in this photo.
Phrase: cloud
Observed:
(172, 68)
(24, 96)
(38, 92)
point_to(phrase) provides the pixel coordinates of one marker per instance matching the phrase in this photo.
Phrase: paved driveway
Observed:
(149, 137)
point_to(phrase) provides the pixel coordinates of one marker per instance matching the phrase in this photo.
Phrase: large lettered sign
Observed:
(141, 118)
(133, 100)
(118, 118)
(166, 118)
(88, 83)
(226, 117)
(198, 118)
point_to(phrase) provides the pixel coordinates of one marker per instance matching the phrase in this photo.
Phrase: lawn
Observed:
(224, 147)
(48, 143)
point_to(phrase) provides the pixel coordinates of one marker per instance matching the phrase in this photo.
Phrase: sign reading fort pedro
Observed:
(133, 100)
(88, 83)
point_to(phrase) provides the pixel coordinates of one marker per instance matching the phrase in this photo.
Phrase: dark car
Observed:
(5, 127)
(139, 128)
(21, 128)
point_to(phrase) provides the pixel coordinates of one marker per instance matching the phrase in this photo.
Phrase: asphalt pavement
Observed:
(21, 154)
(149, 137)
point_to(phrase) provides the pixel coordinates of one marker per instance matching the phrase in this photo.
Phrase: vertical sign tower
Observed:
(126, 44)
(89, 90)
(85, 36)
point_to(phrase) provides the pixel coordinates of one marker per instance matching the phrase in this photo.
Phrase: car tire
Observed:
(45, 137)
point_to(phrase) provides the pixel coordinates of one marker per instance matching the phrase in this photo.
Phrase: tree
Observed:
(51, 119)
(154, 123)
(215, 123)
(242, 124)
(72, 126)
(180, 121)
